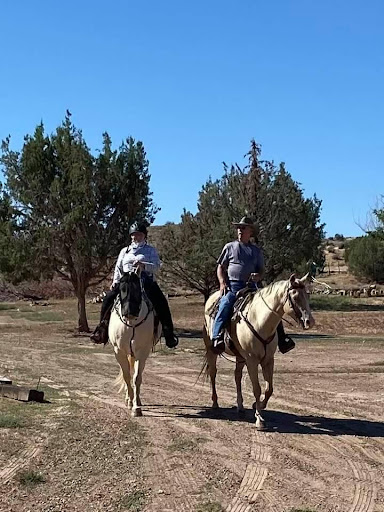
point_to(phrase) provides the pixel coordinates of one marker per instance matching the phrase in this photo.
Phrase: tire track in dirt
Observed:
(24, 457)
(365, 488)
(254, 477)
(19, 461)
(162, 465)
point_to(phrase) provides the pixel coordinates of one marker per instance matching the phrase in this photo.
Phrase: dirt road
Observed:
(324, 450)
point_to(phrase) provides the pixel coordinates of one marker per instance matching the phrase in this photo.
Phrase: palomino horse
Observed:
(254, 337)
(131, 333)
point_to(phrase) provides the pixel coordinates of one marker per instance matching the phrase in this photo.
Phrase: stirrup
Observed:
(218, 344)
(286, 345)
(171, 340)
(100, 334)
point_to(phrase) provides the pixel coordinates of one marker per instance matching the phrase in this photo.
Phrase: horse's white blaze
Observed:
(132, 346)
(264, 313)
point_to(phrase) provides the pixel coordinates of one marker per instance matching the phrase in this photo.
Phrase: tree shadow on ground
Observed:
(189, 333)
(285, 422)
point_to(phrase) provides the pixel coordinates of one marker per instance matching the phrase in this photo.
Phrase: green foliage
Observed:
(73, 209)
(134, 501)
(365, 257)
(10, 421)
(288, 224)
(30, 478)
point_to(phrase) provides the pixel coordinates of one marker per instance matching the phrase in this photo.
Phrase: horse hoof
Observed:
(260, 425)
(136, 413)
(215, 405)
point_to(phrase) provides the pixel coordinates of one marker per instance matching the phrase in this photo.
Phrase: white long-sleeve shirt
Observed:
(143, 252)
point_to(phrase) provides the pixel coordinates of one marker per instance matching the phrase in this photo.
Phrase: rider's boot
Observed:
(100, 334)
(171, 340)
(285, 342)
(218, 343)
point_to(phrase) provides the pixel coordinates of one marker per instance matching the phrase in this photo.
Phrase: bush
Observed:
(339, 237)
(365, 257)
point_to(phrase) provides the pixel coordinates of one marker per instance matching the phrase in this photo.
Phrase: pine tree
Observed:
(74, 209)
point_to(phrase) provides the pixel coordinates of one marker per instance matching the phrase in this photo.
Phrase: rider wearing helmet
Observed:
(139, 254)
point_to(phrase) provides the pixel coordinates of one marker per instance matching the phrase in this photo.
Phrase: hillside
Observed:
(334, 274)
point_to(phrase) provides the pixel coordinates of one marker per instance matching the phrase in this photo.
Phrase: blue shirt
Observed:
(241, 260)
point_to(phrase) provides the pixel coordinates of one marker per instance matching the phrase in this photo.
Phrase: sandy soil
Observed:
(324, 449)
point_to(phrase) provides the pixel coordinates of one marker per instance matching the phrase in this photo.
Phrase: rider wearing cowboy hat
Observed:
(240, 262)
(139, 254)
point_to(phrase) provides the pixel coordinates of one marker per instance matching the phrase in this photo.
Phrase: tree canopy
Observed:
(288, 224)
(70, 210)
(365, 254)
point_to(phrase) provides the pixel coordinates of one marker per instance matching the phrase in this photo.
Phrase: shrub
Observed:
(365, 257)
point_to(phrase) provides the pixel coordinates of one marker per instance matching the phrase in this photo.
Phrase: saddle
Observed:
(243, 297)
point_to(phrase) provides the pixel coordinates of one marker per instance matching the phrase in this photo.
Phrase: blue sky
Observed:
(196, 80)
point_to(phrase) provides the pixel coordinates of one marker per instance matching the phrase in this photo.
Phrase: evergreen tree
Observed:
(74, 209)
(288, 225)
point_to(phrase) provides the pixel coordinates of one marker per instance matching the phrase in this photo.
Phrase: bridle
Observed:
(295, 310)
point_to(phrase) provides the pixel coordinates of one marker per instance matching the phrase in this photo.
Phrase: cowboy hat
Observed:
(245, 221)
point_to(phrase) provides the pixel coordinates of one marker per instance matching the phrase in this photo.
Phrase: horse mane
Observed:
(271, 289)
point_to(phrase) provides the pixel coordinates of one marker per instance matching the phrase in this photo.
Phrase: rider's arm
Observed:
(258, 275)
(119, 267)
(222, 276)
(222, 266)
(151, 260)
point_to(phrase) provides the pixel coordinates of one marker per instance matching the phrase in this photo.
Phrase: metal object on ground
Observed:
(21, 393)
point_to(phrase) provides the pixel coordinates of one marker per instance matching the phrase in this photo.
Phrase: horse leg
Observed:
(268, 377)
(211, 366)
(252, 366)
(137, 379)
(125, 369)
(131, 360)
(212, 371)
(238, 376)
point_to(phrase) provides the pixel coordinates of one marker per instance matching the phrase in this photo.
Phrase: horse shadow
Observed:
(286, 422)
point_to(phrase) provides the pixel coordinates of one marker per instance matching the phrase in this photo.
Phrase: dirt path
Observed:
(324, 450)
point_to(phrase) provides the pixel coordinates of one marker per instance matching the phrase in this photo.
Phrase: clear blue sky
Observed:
(196, 80)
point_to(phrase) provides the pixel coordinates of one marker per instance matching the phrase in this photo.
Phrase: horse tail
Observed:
(120, 381)
(204, 372)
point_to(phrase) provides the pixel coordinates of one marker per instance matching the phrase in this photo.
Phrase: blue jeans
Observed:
(226, 306)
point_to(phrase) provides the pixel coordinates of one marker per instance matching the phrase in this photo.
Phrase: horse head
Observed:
(297, 302)
(130, 295)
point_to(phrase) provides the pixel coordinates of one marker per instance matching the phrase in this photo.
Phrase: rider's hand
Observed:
(223, 289)
(139, 264)
(255, 277)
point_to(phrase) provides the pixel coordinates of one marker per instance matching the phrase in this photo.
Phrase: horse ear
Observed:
(306, 279)
(292, 280)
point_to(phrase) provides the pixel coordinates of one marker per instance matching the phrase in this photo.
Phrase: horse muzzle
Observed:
(307, 322)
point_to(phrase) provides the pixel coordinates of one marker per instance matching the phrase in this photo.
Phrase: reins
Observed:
(288, 298)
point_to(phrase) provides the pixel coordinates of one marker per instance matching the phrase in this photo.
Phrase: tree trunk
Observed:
(83, 322)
